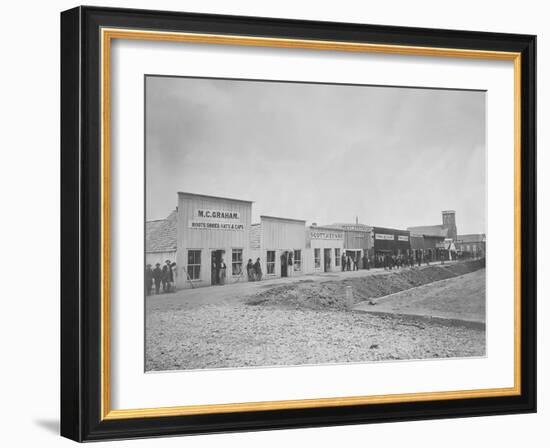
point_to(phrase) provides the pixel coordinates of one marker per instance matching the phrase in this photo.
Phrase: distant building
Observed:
(471, 245)
(357, 240)
(427, 247)
(390, 242)
(446, 230)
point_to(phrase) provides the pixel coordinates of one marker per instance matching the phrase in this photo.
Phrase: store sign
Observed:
(217, 214)
(214, 225)
(383, 236)
(319, 235)
(214, 219)
(402, 238)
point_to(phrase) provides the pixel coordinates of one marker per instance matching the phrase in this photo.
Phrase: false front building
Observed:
(325, 245)
(279, 243)
(389, 242)
(357, 242)
(212, 240)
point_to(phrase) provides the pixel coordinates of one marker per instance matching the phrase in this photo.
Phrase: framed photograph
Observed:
(272, 223)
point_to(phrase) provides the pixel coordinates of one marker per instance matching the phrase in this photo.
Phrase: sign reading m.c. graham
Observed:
(217, 214)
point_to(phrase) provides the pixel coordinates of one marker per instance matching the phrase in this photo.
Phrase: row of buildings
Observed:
(204, 230)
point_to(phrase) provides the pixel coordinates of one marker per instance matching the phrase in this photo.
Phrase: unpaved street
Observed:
(309, 322)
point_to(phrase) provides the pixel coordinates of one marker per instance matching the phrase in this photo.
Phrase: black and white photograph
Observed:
(296, 223)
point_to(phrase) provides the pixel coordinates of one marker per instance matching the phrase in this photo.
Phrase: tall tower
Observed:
(449, 222)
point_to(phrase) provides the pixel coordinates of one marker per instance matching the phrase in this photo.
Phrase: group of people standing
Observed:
(351, 263)
(254, 270)
(398, 261)
(219, 271)
(159, 277)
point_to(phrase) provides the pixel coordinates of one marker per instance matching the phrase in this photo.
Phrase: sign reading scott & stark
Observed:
(320, 235)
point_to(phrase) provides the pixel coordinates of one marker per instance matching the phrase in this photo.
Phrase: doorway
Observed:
(355, 256)
(284, 264)
(327, 261)
(216, 261)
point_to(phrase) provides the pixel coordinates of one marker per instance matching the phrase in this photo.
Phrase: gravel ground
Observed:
(460, 298)
(313, 322)
(238, 335)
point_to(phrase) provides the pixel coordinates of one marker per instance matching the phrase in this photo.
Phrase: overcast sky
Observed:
(326, 153)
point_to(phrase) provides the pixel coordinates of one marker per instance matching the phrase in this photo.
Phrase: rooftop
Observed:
(327, 227)
(437, 230)
(161, 234)
(276, 218)
(353, 226)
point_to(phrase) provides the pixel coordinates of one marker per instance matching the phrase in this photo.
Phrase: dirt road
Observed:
(261, 325)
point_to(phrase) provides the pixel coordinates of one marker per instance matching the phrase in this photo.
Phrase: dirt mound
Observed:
(332, 294)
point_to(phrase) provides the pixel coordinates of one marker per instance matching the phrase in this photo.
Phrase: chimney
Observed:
(449, 223)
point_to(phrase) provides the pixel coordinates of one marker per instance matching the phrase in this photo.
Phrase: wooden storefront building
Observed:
(212, 232)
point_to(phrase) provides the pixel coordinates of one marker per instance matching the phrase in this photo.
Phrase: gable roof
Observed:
(437, 230)
(161, 235)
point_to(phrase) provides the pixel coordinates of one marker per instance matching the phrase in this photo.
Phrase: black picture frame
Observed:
(81, 224)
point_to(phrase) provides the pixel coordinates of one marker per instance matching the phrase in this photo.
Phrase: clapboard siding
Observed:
(207, 240)
(280, 233)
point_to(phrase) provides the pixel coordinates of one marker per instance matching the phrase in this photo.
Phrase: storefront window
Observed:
(270, 262)
(194, 264)
(297, 260)
(237, 261)
(317, 257)
(337, 256)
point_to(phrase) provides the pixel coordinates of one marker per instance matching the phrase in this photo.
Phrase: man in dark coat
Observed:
(343, 262)
(250, 270)
(148, 279)
(258, 269)
(157, 277)
(165, 278)
(169, 276)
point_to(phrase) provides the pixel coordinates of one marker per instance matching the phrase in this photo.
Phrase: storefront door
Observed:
(284, 264)
(327, 261)
(216, 260)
